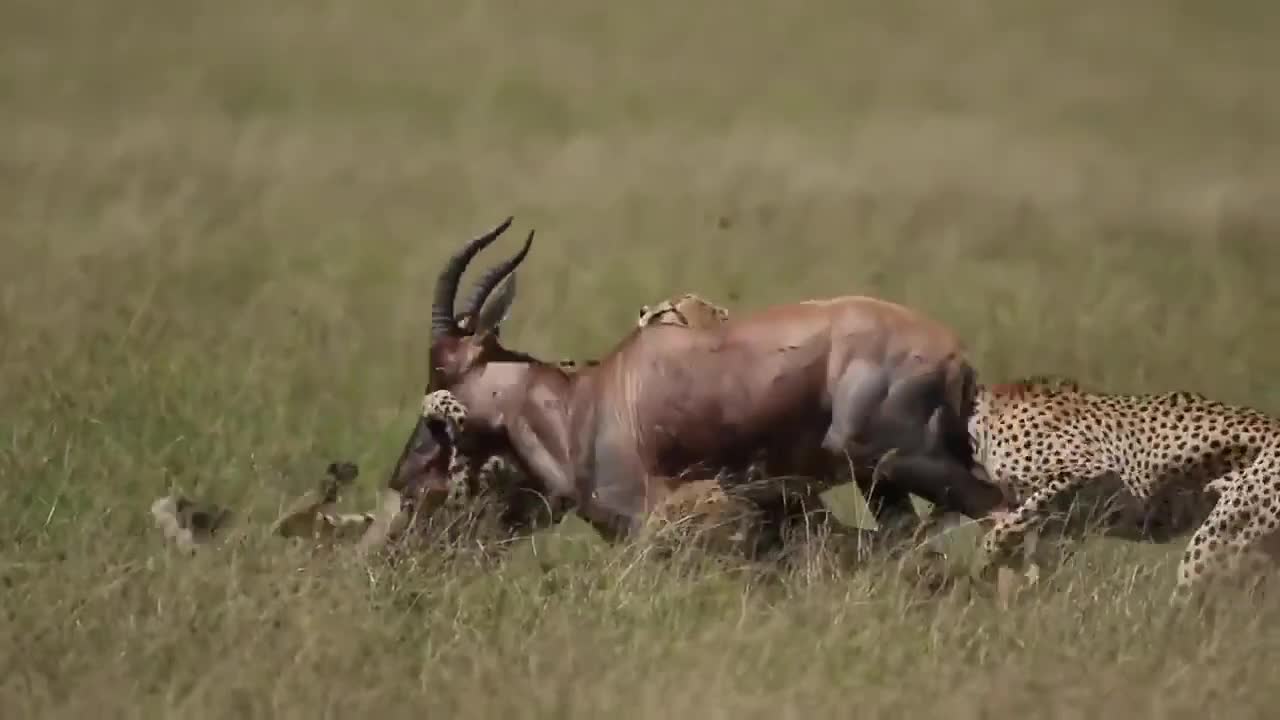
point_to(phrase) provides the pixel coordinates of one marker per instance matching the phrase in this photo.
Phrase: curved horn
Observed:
(487, 282)
(442, 317)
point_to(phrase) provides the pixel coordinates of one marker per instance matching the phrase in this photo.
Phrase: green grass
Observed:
(219, 226)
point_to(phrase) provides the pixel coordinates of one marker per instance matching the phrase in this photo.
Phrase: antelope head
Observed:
(462, 344)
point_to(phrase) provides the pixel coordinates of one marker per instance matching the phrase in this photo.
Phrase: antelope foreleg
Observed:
(901, 428)
(910, 418)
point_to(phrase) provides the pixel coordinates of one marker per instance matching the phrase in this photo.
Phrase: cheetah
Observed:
(488, 495)
(702, 511)
(1180, 464)
(465, 483)
(687, 310)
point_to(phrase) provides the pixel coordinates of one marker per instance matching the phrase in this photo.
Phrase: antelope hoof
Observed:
(835, 442)
(880, 471)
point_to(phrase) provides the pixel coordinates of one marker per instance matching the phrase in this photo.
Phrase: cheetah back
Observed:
(1161, 450)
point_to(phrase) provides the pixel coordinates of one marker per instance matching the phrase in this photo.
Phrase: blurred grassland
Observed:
(219, 227)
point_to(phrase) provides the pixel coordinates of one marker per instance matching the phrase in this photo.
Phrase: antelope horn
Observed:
(442, 317)
(487, 282)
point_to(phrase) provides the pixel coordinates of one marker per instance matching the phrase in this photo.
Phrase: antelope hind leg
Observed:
(905, 426)
(912, 417)
(857, 393)
(917, 441)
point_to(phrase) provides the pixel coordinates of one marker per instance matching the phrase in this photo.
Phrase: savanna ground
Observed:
(219, 227)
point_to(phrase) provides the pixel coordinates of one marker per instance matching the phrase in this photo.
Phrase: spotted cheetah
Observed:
(1181, 463)
(465, 481)
(488, 496)
(701, 511)
(687, 310)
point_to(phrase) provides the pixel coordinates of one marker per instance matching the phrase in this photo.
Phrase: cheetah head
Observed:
(687, 310)
(423, 468)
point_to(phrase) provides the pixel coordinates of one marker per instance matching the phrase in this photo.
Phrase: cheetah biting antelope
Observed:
(699, 509)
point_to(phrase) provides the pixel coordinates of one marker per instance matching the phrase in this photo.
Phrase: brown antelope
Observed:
(804, 386)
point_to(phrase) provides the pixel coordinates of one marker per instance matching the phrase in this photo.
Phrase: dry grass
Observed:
(219, 223)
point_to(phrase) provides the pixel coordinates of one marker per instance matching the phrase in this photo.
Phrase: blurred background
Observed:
(220, 223)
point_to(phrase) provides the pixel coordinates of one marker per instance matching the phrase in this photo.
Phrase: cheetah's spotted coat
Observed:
(687, 310)
(1181, 460)
(465, 481)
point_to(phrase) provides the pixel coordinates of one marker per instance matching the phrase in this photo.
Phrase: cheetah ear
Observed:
(489, 319)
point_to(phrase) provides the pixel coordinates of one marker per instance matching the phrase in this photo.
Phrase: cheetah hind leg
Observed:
(1233, 544)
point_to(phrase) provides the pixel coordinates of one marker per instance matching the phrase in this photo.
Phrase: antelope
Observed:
(805, 386)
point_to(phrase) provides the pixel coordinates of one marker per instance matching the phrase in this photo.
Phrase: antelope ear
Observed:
(490, 317)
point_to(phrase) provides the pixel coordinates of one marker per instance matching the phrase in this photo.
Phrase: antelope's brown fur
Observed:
(852, 375)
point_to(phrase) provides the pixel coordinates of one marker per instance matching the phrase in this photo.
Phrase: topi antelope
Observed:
(804, 386)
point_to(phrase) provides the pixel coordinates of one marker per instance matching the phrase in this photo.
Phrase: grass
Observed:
(219, 226)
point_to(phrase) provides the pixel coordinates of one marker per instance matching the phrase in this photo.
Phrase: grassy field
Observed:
(219, 227)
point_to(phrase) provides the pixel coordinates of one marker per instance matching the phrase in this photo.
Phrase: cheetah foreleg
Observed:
(1010, 532)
